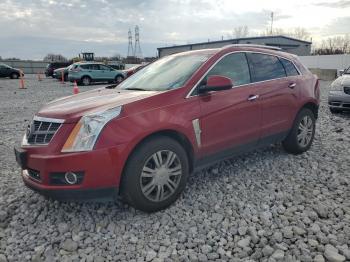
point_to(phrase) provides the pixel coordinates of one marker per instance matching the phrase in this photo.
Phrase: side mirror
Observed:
(341, 72)
(216, 83)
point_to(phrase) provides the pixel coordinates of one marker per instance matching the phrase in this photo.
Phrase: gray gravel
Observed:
(263, 206)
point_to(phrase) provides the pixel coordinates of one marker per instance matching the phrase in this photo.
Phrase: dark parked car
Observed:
(52, 66)
(57, 73)
(339, 95)
(143, 139)
(8, 71)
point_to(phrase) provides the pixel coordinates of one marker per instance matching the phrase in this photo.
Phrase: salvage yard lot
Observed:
(263, 205)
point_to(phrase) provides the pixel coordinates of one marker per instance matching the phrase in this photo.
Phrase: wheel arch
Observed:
(176, 135)
(313, 107)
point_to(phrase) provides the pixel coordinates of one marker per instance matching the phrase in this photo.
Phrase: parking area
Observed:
(263, 206)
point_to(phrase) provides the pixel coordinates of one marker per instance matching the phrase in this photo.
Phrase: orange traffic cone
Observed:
(75, 88)
(21, 81)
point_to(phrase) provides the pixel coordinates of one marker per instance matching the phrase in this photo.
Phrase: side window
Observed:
(95, 67)
(102, 67)
(265, 67)
(85, 66)
(234, 66)
(289, 67)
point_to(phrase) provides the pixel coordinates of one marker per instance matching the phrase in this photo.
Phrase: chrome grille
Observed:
(42, 130)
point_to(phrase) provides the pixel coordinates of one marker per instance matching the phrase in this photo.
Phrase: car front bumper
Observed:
(339, 100)
(100, 173)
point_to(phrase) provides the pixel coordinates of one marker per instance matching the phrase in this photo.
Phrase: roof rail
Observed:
(251, 45)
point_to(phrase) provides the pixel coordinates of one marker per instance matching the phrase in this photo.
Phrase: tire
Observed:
(300, 139)
(85, 80)
(118, 79)
(334, 110)
(14, 76)
(65, 78)
(152, 191)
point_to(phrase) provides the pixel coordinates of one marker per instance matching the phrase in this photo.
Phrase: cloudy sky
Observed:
(31, 29)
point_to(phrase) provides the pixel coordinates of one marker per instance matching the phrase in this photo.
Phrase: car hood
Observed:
(71, 108)
(343, 80)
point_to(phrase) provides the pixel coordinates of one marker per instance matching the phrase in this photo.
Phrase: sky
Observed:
(32, 28)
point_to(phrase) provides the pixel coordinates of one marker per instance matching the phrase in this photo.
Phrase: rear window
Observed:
(289, 67)
(265, 67)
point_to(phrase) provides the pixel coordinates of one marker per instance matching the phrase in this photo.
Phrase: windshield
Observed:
(167, 73)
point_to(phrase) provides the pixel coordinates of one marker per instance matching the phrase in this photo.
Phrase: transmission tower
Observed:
(130, 47)
(137, 49)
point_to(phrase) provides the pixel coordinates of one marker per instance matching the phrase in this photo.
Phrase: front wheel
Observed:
(86, 80)
(14, 76)
(155, 175)
(302, 133)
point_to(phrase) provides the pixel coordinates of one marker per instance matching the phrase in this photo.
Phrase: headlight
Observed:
(87, 130)
(336, 86)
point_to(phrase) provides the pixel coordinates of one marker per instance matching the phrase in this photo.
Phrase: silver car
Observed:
(339, 94)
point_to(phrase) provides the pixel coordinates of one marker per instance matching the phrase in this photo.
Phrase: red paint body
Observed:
(227, 120)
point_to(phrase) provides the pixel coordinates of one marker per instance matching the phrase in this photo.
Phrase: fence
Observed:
(28, 67)
(337, 62)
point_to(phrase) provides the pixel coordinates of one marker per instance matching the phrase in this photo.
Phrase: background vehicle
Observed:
(134, 69)
(54, 65)
(8, 71)
(85, 73)
(339, 95)
(57, 73)
(180, 113)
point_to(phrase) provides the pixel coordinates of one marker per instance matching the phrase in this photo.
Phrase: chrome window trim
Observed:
(42, 119)
(251, 83)
(46, 119)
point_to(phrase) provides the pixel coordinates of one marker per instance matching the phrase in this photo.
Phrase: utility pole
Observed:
(271, 23)
(130, 48)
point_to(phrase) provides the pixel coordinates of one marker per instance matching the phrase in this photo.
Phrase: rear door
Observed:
(107, 73)
(230, 118)
(277, 93)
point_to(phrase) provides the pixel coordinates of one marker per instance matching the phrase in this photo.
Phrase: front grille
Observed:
(42, 131)
(347, 90)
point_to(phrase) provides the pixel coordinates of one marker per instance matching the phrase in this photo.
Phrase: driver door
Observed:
(230, 118)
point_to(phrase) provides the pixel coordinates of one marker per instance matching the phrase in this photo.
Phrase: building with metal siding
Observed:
(288, 44)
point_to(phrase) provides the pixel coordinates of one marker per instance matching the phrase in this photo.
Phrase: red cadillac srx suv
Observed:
(142, 139)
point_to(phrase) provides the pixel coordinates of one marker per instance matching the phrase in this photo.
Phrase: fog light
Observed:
(71, 178)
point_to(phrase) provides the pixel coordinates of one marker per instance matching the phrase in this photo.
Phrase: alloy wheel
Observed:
(161, 175)
(305, 131)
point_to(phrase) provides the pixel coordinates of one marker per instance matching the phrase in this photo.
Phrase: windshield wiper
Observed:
(136, 88)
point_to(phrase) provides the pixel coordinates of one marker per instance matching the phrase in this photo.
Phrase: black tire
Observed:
(291, 143)
(132, 184)
(14, 76)
(85, 81)
(65, 77)
(334, 110)
(118, 79)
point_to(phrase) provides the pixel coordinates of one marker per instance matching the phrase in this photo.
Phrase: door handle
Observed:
(253, 97)
(292, 85)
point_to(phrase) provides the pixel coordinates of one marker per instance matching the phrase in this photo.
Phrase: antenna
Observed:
(130, 48)
(137, 49)
(271, 23)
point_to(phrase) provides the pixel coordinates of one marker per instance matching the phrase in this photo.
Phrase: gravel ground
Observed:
(262, 206)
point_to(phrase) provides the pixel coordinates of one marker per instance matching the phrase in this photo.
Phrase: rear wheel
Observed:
(302, 133)
(155, 175)
(14, 76)
(65, 77)
(118, 79)
(86, 81)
